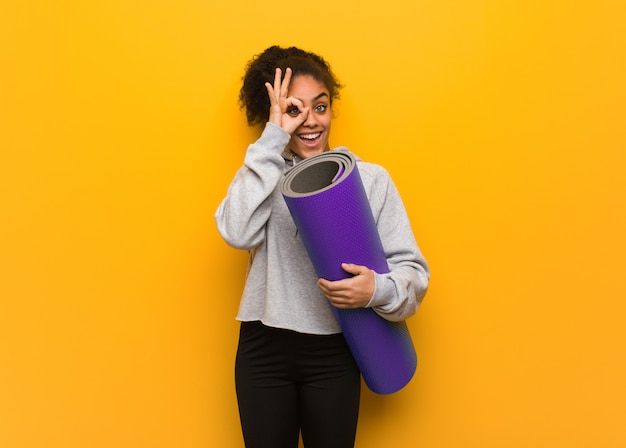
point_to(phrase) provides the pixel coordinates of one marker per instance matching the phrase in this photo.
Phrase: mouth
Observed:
(310, 139)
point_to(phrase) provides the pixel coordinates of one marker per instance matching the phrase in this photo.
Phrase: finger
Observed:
(284, 87)
(336, 288)
(293, 116)
(293, 106)
(304, 114)
(277, 76)
(324, 287)
(270, 93)
(322, 284)
(340, 302)
(354, 269)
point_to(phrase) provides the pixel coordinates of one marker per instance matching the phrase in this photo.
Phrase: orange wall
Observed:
(502, 123)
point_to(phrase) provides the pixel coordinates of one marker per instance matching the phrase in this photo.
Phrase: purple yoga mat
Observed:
(327, 201)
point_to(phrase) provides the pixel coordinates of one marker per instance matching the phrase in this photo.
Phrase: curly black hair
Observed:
(262, 68)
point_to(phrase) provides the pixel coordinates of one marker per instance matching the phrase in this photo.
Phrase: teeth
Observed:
(310, 136)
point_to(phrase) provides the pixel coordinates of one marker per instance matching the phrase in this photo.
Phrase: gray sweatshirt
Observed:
(281, 285)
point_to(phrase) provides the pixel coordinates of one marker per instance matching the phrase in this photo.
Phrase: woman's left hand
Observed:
(353, 292)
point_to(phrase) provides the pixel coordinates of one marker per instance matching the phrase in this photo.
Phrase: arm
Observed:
(398, 294)
(395, 295)
(242, 215)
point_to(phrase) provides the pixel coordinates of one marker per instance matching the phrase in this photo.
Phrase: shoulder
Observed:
(378, 185)
(369, 172)
(373, 171)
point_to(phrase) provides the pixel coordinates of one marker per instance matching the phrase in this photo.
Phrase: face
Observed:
(311, 137)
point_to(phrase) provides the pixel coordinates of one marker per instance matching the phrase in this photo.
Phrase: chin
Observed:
(308, 152)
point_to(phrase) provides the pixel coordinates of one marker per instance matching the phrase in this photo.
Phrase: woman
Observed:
(294, 372)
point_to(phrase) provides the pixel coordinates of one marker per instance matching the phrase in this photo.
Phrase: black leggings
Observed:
(289, 382)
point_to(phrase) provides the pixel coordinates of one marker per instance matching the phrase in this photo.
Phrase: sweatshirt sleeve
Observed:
(397, 294)
(243, 213)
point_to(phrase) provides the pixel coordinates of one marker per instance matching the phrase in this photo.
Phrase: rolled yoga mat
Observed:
(327, 201)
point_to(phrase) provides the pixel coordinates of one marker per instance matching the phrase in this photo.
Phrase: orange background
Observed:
(502, 123)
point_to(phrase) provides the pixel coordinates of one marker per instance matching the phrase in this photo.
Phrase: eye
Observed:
(321, 108)
(293, 111)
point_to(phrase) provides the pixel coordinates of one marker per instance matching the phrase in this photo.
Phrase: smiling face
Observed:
(311, 137)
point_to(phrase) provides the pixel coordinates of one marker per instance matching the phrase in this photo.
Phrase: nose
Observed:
(311, 120)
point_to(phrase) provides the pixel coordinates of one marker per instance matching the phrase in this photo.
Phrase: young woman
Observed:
(294, 372)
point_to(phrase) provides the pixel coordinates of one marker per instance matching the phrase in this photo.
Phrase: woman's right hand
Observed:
(285, 111)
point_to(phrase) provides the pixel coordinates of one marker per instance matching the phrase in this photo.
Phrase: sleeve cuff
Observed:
(383, 288)
(275, 132)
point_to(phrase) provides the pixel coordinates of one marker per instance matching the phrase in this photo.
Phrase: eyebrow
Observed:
(317, 97)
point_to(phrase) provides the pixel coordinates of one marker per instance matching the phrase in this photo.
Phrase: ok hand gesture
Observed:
(285, 111)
